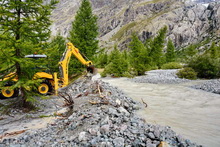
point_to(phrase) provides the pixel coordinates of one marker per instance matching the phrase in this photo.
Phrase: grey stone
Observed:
(151, 145)
(105, 144)
(157, 133)
(105, 129)
(151, 135)
(82, 136)
(105, 121)
(94, 141)
(93, 131)
(124, 111)
(118, 142)
(112, 111)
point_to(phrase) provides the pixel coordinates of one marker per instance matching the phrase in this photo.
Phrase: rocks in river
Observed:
(209, 86)
(100, 124)
(160, 77)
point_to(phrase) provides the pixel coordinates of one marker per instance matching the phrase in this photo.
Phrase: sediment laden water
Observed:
(195, 114)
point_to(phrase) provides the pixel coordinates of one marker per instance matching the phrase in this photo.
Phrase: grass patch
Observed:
(120, 33)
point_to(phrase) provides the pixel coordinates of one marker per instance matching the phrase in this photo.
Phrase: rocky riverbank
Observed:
(160, 77)
(170, 77)
(102, 115)
(209, 86)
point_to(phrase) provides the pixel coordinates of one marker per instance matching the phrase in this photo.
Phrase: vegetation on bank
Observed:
(157, 53)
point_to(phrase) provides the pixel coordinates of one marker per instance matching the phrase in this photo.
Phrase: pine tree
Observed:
(170, 54)
(85, 30)
(23, 30)
(55, 50)
(190, 51)
(117, 64)
(157, 45)
(101, 60)
(139, 59)
(213, 50)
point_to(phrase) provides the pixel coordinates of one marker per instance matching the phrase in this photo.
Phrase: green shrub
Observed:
(206, 66)
(171, 65)
(117, 66)
(187, 73)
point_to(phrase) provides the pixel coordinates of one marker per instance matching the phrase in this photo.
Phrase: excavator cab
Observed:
(40, 66)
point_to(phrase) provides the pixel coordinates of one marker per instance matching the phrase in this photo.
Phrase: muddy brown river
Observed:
(195, 114)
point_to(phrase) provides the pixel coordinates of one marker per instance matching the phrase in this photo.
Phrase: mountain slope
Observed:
(118, 19)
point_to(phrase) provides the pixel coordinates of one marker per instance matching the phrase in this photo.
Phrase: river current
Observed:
(195, 114)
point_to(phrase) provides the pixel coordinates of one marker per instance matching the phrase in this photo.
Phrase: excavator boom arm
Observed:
(64, 62)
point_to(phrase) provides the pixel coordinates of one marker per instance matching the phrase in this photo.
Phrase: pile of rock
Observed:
(209, 86)
(160, 77)
(102, 116)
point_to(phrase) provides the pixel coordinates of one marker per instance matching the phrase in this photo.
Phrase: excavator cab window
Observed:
(35, 56)
(40, 65)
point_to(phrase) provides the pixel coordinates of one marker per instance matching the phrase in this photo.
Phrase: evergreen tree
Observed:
(117, 64)
(56, 48)
(139, 59)
(190, 51)
(101, 60)
(85, 30)
(156, 47)
(170, 54)
(213, 50)
(23, 30)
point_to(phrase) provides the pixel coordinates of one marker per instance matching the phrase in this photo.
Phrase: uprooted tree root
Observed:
(11, 134)
(94, 90)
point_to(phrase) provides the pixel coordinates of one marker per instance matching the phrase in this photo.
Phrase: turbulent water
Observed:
(195, 114)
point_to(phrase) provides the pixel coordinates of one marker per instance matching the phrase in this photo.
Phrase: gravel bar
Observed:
(160, 77)
(209, 86)
(108, 121)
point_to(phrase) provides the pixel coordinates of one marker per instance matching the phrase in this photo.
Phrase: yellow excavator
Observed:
(50, 82)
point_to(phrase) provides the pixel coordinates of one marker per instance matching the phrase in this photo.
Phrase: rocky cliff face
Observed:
(118, 19)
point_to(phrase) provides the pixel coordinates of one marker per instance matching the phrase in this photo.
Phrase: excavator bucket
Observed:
(91, 69)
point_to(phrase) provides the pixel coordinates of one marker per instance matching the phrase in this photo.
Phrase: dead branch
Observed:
(67, 99)
(78, 95)
(100, 94)
(144, 103)
(12, 134)
(96, 102)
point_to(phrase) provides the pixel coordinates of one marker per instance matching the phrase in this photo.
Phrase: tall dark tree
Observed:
(117, 66)
(170, 54)
(157, 45)
(85, 30)
(24, 27)
(139, 59)
(213, 50)
(55, 50)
